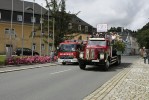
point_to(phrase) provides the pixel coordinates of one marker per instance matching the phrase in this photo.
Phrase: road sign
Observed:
(102, 27)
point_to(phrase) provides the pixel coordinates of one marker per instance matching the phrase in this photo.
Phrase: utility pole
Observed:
(41, 34)
(48, 33)
(53, 33)
(33, 29)
(10, 30)
(23, 29)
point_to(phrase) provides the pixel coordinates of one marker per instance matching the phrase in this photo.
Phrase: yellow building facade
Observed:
(16, 39)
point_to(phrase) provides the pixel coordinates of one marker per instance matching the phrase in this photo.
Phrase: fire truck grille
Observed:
(87, 54)
(90, 53)
(66, 57)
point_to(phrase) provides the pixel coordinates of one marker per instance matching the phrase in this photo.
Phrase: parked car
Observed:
(26, 51)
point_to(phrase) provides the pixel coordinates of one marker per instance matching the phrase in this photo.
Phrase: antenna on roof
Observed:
(77, 13)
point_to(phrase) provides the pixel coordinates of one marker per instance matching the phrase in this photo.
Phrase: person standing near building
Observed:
(147, 51)
(52, 56)
(144, 54)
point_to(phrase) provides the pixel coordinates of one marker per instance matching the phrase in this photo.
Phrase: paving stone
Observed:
(133, 86)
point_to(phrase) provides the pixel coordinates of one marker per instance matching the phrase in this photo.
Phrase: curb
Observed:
(18, 69)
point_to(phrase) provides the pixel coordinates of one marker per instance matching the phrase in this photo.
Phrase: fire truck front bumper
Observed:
(68, 60)
(92, 62)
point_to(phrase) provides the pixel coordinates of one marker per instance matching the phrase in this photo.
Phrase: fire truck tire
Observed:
(82, 66)
(106, 66)
(64, 63)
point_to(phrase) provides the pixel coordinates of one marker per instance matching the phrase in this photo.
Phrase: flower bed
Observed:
(27, 60)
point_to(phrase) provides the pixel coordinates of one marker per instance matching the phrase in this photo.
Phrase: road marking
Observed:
(60, 71)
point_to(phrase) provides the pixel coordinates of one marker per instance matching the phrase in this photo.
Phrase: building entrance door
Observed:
(9, 50)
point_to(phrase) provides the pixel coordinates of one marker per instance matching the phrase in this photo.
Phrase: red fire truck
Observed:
(99, 51)
(68, 51)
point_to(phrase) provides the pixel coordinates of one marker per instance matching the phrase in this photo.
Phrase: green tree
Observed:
(61, 19)
(119, 45)
(143, 36)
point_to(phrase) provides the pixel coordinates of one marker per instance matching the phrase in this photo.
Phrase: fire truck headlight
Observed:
(102, 56)
(81, 55)
(73, 49)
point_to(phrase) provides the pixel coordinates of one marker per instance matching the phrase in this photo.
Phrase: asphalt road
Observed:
(57, 82)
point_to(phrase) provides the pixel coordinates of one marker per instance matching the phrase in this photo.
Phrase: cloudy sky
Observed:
(131, 14)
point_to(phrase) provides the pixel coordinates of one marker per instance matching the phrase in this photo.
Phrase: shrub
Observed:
(120, 46)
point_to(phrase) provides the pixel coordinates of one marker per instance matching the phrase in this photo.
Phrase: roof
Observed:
(79, 21)
(18, 6)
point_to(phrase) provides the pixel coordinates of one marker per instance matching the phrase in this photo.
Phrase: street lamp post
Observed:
(10, 32)
(48, 34)
(23, 29)
(41, 34)
(53, 34)
(53, 26)
(33, 29)
(33, 24)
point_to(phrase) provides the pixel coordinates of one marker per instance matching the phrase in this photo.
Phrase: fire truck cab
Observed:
(99, 51)
(68, 51)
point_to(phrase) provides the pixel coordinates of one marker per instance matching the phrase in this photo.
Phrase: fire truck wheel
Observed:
(107, 65)
(64, 63)
(82, 66)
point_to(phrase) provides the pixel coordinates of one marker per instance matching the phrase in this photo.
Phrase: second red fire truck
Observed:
(68, 51)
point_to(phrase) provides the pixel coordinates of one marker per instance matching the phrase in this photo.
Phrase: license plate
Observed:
(66, 61)
(95, 60)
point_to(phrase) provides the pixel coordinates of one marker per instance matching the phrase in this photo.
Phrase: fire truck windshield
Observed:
(67, 47)
(97, 43)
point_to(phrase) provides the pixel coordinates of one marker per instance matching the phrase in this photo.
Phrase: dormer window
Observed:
(79, 27)
(86, 28)
(19, 18)
(78, 21)
(70, 26)
(33, 20)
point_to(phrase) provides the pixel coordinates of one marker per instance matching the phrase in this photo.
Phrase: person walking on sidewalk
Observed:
(145, 54)
(147, 51)
(52, 56)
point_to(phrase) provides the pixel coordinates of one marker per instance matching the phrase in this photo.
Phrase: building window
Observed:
(9, 31)
(79, 28)
(41, 20)
(42, 46)
(34, 33)
(34, 46)
(70, 26)
(33, 20)
(19, 18)
(50, 47)
(86, 28)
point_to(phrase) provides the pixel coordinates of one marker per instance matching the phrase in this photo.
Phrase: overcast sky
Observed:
(131, 14)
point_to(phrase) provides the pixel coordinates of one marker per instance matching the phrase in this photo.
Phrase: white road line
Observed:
(60, 71)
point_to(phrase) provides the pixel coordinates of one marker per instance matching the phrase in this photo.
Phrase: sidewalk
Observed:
(11, 68)
(130, 84)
